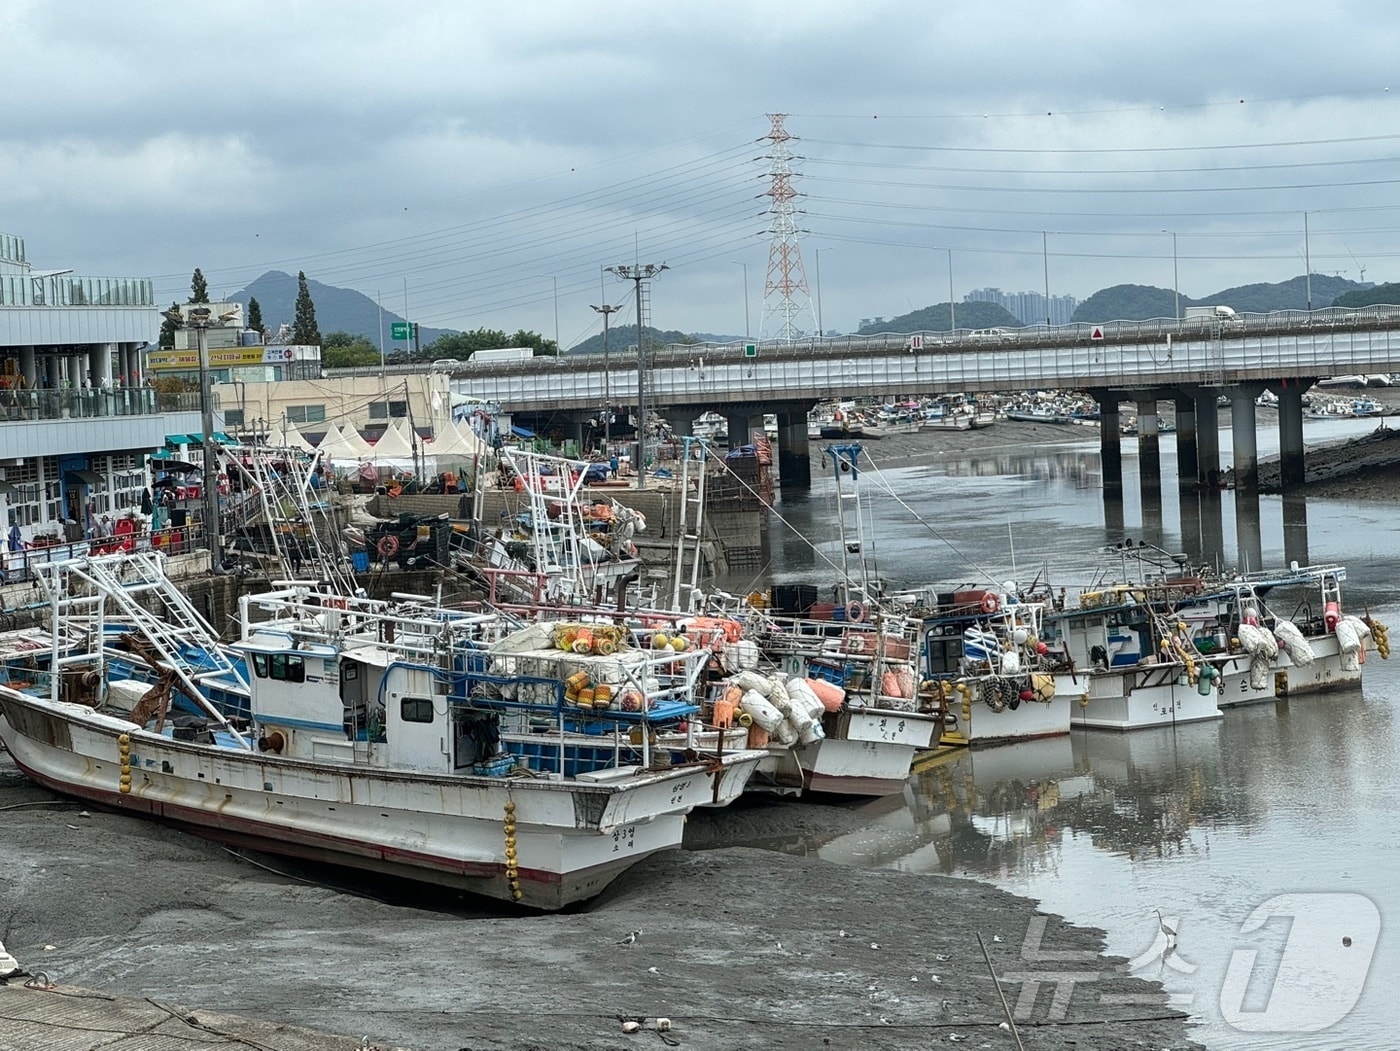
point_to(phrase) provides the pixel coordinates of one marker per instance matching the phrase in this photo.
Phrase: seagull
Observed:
(841, 934)
(941, 957)
(874, 945)
(632, 937)
(934, 978)
(1171, 934)
(996, 937)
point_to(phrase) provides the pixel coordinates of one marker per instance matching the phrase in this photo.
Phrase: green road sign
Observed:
(398, 330)
(750, 350)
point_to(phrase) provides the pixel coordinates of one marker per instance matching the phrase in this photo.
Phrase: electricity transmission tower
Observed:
(787, 303)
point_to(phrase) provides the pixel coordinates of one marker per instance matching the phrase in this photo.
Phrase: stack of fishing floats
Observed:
(777, 710)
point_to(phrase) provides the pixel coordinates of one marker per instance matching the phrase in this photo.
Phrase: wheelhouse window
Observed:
(416, 709)
(286, 667)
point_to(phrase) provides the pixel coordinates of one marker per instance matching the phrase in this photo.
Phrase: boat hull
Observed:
(1140, 698)
(976, 724)
(867, 752)
(571, 840)
(1286, 679)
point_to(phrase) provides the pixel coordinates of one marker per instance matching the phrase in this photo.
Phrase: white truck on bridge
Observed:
(501, 356)
(1223, 313)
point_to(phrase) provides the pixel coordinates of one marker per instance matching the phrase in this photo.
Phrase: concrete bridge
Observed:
(1191, 362)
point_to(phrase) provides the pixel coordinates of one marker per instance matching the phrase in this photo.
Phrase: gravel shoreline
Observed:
(740, 947)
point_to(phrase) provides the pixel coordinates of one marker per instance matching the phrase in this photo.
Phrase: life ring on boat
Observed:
(990, 604)
(855, 612)
(388, 547)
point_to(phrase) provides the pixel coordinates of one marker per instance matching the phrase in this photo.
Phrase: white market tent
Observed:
(458, 443)
(395, 450)
(289, 438)
(344, 445)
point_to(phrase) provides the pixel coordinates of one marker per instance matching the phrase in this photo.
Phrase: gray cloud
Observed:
(482, 152)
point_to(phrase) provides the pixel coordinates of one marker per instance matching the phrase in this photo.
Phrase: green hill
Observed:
(337, 309)
(1388, 293)
(1141, 302)
(936, 319)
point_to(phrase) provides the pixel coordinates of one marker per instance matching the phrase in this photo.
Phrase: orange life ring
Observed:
(388, 546)
(855, 612)
(990, 603)
(336, 603)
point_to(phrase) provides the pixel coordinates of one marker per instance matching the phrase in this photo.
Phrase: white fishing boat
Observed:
(373, 741)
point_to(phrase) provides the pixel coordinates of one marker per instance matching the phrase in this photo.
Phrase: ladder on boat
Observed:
(692, 517)
(845, 468)
(131, 590)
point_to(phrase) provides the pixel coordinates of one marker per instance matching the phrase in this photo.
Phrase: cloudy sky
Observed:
(480, 157)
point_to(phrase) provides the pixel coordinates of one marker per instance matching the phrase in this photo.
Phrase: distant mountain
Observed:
(1127, 303)
(1388, 293)
(622, 339)
(337, 309)
(1141, 302)
(936, 319)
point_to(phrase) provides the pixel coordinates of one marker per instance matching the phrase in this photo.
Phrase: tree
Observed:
(340, 350)
(167, 329)
(199, 288)
(304, 330)
(255, 321)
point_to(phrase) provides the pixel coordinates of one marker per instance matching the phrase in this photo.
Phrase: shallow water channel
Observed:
(1264, 839)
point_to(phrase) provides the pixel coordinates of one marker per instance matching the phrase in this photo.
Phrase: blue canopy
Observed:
(521, 432)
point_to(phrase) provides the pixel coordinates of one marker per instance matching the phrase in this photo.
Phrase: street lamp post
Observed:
(555, 279)
(199, 321)
(606, 310)
(1307, 261)
(952, 321)
(1045, 256)
(1176, 282)
(820, 328)
(738, 262)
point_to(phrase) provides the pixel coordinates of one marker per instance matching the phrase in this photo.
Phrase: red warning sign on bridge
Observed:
(1097, 333)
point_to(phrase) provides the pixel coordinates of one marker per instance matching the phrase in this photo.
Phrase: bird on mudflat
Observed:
(1171, 934)
(631, 938)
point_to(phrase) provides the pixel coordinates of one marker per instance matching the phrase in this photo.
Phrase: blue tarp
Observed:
(522, 432)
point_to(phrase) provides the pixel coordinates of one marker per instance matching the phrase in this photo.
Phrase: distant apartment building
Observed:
(1027, 307)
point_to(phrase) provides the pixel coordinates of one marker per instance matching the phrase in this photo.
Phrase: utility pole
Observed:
(637, 274)
(606, 310)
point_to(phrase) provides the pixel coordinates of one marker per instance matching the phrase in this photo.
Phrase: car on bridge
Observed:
(991, 335)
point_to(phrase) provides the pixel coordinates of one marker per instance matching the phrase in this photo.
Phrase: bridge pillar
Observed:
(1149, 448)
(1290, 438)
(1110, 444)
(1186, 441)
(1212, 526)
(1248, 534)
(1242, 424)
(737, 427)
(1207, 439)
(681, 421)
(794, 451)
(1189, 511)
(1295, 527)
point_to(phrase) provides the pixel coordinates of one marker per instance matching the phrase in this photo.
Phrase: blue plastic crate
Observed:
(829, 673)
(498, 766)
(360, 560)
